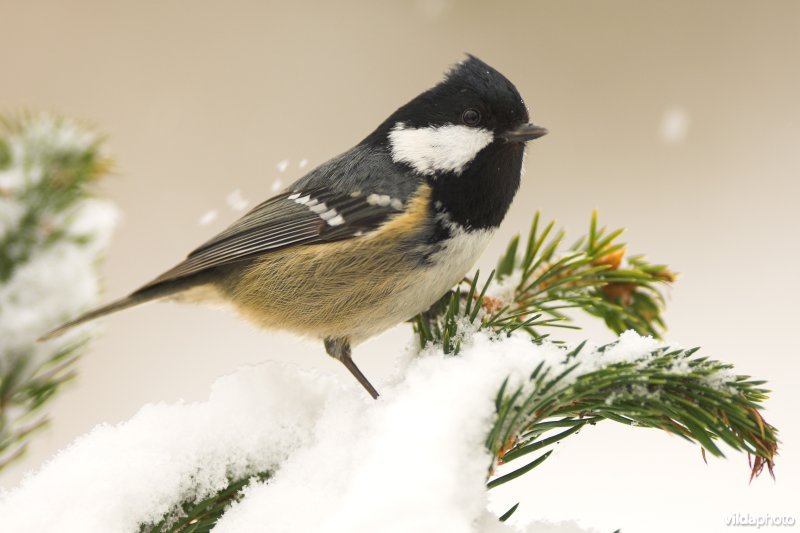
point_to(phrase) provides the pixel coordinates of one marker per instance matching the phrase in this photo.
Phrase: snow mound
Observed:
(415, 460)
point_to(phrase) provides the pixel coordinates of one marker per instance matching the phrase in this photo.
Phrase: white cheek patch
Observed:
(437, 148)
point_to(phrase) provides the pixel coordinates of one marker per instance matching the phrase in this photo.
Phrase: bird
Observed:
(375, 235)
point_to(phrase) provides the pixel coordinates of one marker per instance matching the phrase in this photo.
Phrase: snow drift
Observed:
(415, 460)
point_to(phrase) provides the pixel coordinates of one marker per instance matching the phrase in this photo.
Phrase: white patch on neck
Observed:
(460, 252)
(437, 148)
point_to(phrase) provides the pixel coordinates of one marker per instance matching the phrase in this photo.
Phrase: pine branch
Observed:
(46, 168)
(26, 390)
(202, 516)
(669, 389)
(53, 171)
(47, 165)
(545, 282)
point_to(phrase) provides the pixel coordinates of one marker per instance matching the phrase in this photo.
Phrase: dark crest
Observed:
(471, 84)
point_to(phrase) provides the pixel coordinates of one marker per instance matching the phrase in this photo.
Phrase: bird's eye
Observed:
(471, 117)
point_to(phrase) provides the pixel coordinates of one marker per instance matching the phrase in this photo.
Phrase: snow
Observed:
(55, 283)
(134, 472)
(276, 185)
(52, 281)
(60, 280)
(282, 165)
(11, 211)
(414, 460)
(208, 217)
(502, 292)
(433, 9)
(674, 125)
(721, 380)
(236, 201)
(27, 149)
(40, 138)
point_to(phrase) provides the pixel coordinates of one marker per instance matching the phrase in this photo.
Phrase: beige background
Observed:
(200, 98)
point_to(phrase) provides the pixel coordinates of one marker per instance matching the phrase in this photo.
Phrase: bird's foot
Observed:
(339, 348)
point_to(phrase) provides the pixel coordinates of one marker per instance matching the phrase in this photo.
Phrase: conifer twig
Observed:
(46, 166)
(594, 276)
(668, 389)
(546, 281)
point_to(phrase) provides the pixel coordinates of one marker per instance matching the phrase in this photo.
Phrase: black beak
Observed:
(526, 132)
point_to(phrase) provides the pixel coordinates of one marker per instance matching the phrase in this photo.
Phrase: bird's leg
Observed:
(339, 348)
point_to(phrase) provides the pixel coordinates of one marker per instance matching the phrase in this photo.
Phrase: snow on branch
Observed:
(279, 449)
(636, 381)
(52, 233)
(484, 397)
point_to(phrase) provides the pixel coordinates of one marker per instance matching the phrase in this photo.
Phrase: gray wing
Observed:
(289, 219)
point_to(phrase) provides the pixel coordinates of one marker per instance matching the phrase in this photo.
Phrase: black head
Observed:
(466, 135)
(472, 94)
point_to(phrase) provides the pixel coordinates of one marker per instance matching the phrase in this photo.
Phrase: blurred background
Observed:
(678, 120)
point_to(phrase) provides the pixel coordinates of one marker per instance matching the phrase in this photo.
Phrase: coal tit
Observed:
(375, 235)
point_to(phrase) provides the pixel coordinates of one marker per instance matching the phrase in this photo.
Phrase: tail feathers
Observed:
(113, 307)
(151, 291)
